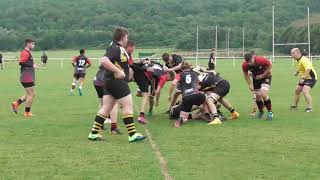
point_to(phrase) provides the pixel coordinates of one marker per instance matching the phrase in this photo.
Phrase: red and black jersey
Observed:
(81, 61)
(159, 74)
(130, 60)
(189, 82)
(27, 72)
(119, 57)
(26, 59)
(259, 67)
(176, 60)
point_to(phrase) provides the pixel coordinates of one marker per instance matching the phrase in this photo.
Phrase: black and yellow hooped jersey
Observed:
(119, 57)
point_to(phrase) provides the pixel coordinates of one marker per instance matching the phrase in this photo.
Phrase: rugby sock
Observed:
(19, 101)
(260, 105)
(207, 116)
(231, 109)
(268, 105)
(128, 121)
(184, 116)
(113, 126)
(98, 124)
(27, 109)
(215, 115)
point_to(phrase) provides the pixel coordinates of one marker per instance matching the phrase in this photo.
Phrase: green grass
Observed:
(54, 145)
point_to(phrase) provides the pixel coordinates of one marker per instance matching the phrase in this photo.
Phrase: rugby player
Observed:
(98, 83)
(27, 78)
(44, 60)
(192, 96)
(260, 69)
(1, 61)
(116, 87)
(150, 74)
(217, 88)
(80, 64)
(212, 59)
(173, 62)
(254, 104)
(308, 78)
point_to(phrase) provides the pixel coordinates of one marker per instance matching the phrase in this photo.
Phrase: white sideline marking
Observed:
(156, 150)
(162, 160)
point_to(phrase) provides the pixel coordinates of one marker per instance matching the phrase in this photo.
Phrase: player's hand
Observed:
(36, 66)
(120, 75)
(296, 74)
(251, 87)
(301, 81)
(150, 69)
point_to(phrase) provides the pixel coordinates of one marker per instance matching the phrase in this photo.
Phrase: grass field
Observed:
(54, 145)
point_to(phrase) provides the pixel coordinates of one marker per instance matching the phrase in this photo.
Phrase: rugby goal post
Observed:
(274, 44)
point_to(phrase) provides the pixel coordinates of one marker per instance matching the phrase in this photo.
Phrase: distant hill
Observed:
(58, 24)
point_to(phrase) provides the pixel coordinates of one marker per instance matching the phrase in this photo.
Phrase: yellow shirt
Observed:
(304, 64)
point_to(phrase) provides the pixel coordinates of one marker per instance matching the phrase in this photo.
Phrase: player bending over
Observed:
(217, 88)
(192, 96)
(260, 69)
(150, 74)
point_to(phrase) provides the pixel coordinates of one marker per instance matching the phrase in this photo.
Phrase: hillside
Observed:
(154, 23)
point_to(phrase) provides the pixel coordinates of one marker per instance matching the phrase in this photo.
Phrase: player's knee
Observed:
(306, 91)
(297, 91)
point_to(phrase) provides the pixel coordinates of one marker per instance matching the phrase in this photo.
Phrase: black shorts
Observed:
(191, 100)
(99, 90)
(44, 62)
(27, 84)
(308, 82)
(175, 112)
(222, 88)
(257, 83)
(79, 75)
(178, 88)
(211, 66)
(142, 81)
(117, 88)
